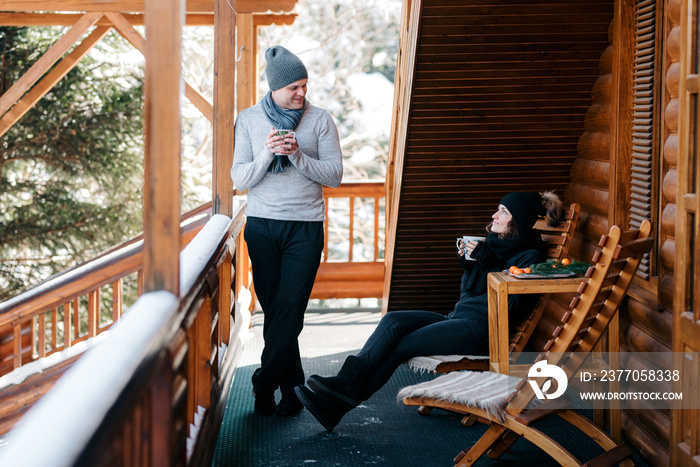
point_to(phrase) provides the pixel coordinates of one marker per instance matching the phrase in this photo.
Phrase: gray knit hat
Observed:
(283, 68)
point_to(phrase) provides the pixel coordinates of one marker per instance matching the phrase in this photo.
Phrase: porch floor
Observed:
(380, 431)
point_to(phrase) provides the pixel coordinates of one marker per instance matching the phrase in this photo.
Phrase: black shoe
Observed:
(264, 402)
(333, 388)
(326, 412)
(343, 389)
(288, 406)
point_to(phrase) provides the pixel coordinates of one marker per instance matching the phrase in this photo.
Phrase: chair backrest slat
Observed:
(558, 237)
(558, 240)
(609, 281)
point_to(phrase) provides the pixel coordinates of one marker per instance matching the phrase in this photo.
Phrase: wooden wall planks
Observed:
(497, 105)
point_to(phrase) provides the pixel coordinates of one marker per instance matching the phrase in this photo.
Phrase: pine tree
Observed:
(71, 170)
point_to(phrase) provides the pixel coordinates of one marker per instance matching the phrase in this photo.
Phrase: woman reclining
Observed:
(402, 335)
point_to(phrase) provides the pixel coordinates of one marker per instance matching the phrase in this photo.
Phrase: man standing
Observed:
(284, 174)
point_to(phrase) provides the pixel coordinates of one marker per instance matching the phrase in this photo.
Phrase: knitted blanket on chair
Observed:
(429, 363)
(482, 389)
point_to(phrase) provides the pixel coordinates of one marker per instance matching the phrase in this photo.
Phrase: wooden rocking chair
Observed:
(558, 240)
(493, 396)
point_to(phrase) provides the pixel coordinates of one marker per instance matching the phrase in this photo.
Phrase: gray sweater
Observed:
(296, 194)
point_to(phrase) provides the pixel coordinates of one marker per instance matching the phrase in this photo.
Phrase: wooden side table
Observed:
(502, 284)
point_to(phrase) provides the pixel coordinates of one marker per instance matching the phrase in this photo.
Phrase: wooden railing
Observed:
(78, 304)
(173, 380)
(85, 301)
(353, 257)
(82, 303)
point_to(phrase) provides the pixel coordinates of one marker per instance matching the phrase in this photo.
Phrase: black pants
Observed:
(285, 256)
(402, 335)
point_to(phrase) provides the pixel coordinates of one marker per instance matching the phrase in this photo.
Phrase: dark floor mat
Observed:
(381, 431)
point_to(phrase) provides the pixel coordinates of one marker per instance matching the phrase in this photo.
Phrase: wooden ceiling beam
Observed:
(46, 61)
(19, 19)
(136, 6)
(50, 79)
(277, 20)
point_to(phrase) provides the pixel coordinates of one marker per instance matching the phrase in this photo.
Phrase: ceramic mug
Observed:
(287, 133)
(461, 242)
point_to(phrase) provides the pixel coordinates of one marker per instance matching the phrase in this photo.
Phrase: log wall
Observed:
(646, 317)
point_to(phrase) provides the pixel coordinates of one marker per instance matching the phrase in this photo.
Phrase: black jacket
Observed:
(496, 254)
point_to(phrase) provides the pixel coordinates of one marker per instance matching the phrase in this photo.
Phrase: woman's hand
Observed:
(466, 248)
(469, 247)
(281, 144)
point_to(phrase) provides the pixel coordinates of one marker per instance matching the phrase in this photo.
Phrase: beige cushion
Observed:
(485, 390)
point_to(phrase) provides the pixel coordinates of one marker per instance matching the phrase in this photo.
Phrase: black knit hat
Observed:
(525, 208)
(283, 68)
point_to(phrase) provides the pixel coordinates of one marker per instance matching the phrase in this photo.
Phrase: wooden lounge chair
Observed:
(558, 240)
(492, 396)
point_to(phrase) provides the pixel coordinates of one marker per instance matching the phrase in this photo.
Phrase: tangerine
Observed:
(566, 261)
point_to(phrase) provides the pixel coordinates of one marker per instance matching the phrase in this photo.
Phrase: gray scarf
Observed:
(281, 119)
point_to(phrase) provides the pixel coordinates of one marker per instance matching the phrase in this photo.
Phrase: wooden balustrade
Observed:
(85, 301)
(343, 273)
(72, 307)
(182, 352)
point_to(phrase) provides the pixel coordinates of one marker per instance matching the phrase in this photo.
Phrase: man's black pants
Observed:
(285, 256)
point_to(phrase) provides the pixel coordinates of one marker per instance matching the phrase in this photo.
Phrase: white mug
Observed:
(461, 241)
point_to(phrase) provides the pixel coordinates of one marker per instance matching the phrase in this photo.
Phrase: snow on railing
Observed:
(66, 418)
(199, 251)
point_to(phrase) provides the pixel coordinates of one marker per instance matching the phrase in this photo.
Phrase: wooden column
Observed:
(620, 161)
(224, 104)
(621, 127)
(406, 63)
(685, 424)
(247, 65)
(163, 87)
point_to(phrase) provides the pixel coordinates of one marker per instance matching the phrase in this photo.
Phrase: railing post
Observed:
(41, 341)
(161, 420)
(199, 360)
(225, 299)
(93, 312)
(76, 318)
(164, 21)
(67, 336)
(224, 105)
(17, 345)
(117, 299)
(242, 270)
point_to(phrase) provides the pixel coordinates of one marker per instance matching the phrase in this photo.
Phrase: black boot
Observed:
(326, 411)
(264, 396)
(289, 404)
(264, 401)
(344, 389)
